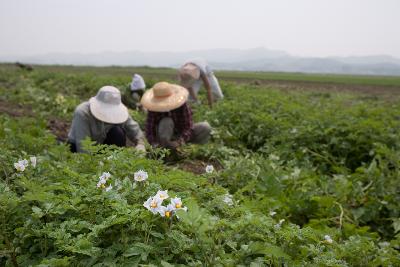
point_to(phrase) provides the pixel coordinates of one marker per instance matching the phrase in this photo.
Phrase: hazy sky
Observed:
(300, 27)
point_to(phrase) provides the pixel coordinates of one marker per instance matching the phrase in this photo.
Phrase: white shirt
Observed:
(202, 64)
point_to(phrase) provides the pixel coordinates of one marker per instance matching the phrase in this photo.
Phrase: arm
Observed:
(134, 133)
(192, 94)
(208, 87)
(80, 129)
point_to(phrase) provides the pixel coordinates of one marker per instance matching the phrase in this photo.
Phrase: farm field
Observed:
(306, 173)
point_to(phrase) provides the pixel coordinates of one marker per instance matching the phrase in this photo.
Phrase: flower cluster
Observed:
(140, 176)
(209, 169)
(154, 204)
(279, 224)
(22, 164)
(328, 239)
(103, 181)
(228, 199)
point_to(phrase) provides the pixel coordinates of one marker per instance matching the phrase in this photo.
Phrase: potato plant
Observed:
(300, 179)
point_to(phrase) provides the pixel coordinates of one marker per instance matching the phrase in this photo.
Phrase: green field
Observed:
(306, 177)
(167, 73)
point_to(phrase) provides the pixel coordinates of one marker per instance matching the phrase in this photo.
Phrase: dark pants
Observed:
(115, 136)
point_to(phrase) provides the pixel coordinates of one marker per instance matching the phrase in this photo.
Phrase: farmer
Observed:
(196, 72)
(106, 120)
(135, 90)
(169, 122)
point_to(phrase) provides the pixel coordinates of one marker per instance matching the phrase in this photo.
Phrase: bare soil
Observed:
(57, 126)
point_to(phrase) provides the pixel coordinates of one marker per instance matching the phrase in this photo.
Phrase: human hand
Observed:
(141, 149)
(171, 144)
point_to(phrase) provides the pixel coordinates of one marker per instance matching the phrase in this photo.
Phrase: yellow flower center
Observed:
(178, 206)
(167, 214)
(103, 186)
(153, 204)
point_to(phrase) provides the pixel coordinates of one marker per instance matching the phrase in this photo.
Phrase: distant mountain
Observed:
(257, 59)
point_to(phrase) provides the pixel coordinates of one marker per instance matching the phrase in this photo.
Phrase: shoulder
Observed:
(82, 110)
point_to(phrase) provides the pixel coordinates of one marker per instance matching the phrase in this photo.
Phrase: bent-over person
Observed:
(106, 120)
(195, 73)
(169, 121)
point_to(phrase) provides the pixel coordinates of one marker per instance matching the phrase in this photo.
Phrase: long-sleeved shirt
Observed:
(183, 123)
(85, 124)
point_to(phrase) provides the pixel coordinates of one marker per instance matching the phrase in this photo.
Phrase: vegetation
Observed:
(301, 178)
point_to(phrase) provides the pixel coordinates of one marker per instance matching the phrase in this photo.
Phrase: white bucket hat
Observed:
(164, 97)
(106, 106)
(188, 74)
(137, 83)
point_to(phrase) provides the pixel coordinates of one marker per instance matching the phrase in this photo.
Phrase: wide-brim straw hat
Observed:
(188, 74)
(164, 97)
(107, 106)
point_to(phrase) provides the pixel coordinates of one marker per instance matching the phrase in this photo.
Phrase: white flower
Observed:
(209, 168)
(33, 161)
(140, 176)
(166, 211)
(153, 204)
(328, 239)
(279, 224)
(19, 166)
(228, 199)
(101, 184)
(109, 188)
(293, 131)
(25, 162)
(102, 181)
(106, 175)
(272, 213)
(162, 194)
(176, 203)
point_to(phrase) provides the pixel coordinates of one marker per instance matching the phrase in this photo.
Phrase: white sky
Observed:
(300, 27)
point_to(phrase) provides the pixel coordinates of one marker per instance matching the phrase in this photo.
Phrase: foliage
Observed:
(295, 166)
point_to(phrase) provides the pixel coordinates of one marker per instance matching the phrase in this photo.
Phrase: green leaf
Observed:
(396, 225)
(37, 212)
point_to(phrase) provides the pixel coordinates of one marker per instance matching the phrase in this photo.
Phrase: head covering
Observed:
(137, 83)
(164, 97)
(106, 106)
(188, 74)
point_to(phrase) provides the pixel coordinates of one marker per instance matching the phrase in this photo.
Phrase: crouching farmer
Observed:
(106, 120)
(169, 120)
(134, 92)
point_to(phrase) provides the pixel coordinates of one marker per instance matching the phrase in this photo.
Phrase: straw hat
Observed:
(188, 74)
(164, 97)
(106, 106)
